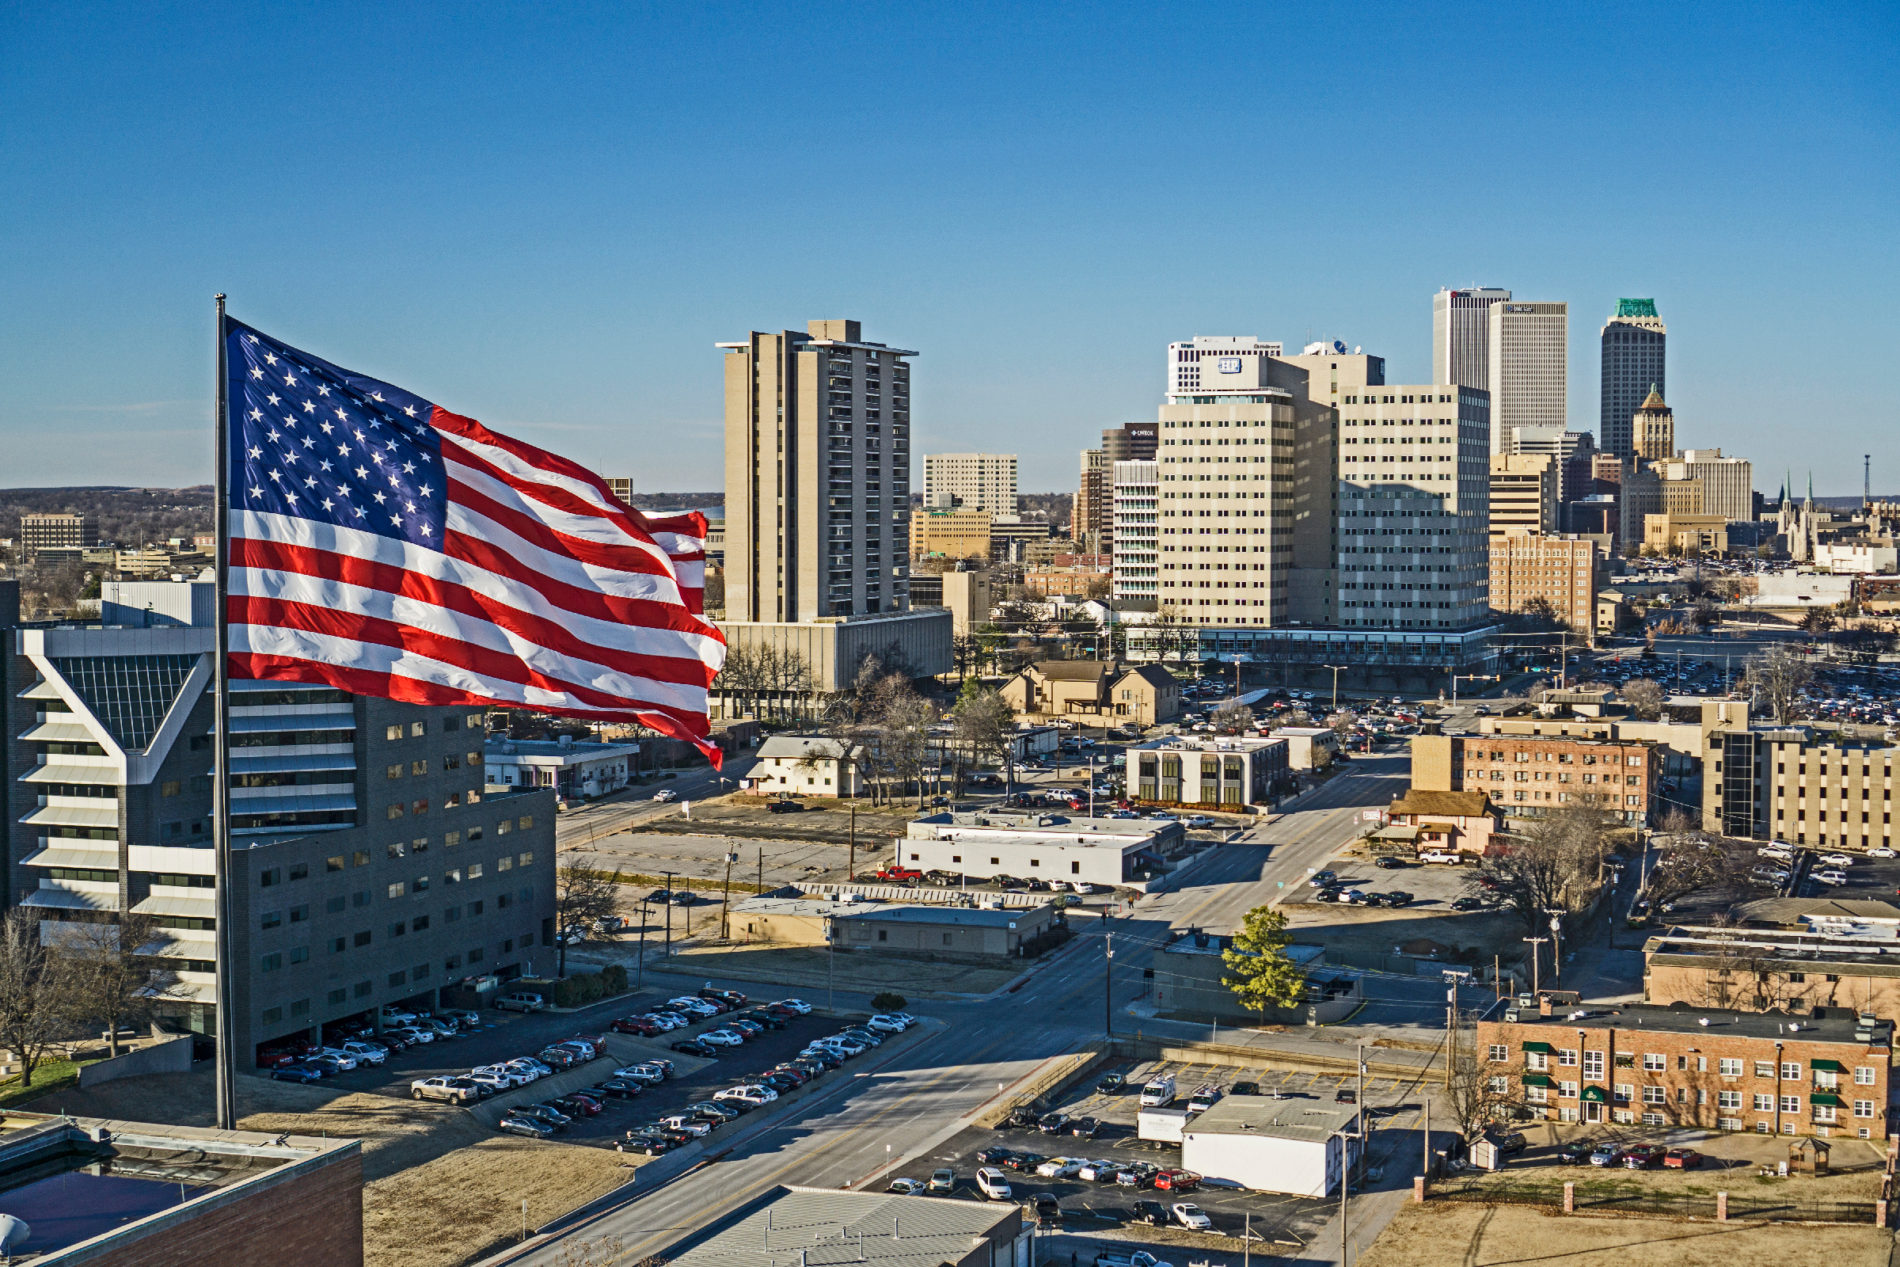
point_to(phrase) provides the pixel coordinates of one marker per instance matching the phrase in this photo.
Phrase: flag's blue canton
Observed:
(312, 440)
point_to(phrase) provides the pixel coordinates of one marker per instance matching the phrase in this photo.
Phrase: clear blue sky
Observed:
(546, 215)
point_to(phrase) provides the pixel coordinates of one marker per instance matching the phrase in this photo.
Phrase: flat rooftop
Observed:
(811, 1227)
(902, 912)
(541, 751)
(1069, 829)
(1671, 1020)
(1214, 743)
(1296, 1118)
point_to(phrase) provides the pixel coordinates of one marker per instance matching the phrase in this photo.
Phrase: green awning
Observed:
(1827, 1066)
(1595, 1095)
(1539, 1080)
(1826, 1097)
(1546, 1048)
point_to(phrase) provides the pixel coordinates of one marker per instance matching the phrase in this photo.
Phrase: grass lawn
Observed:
(49, 1075)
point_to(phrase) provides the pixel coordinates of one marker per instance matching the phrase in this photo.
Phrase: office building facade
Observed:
(817, 475)
(1461, 335)
(370, 862)
(1528, 363)
(1574, 452)
(1524, 493)
(1137, 531)
(1130, 442)
(972, 481)
(1527, 776)
(1091, 522)
(1207, 363)
(58, 530)
(1727, 484)
(1653, 429)
(1635, 343)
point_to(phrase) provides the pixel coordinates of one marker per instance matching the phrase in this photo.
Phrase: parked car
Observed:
(1246, 1087)
(907, 1187)
(1174, 1179)
(1605, 1155)
(1682, 1159)
(1150, 1212)
(1112, 1084)
(1053, 1123)
(797, 1005)
(1191, 1216)
(1323, 878)
(1136, 1174)
(784, 807)
(525, 1124)
(453, 1090)
(943, 1181)
(1467, 904)
(1023, 1162)
(1830, 877)
(1642, 1156)
(521, 1001)
(646, 1145)
(993, 1185)
(303, 1073)
(1574, 1153)
(1085, 1127)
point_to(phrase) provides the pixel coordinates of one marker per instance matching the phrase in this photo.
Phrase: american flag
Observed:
(383, 545)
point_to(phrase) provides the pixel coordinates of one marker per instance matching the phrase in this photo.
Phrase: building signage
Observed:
(1228, 365)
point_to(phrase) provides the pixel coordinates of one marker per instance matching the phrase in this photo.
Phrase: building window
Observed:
(1791, 1071)
(1864, 1075)
(1593, 1064)
(268, 877)
(363, 938)
(1655, 1095)
(1624, 1092)
(1498, 1051)
(1764, 1068)
(272, 1015)
(333, 864)
(396, 889)
(1790, 1104)
(1568, 1090)
(336, 996)
(1729, 1100)
(1566, 1056)
(1731, 1066)
(298, 914)
(299, 871)
(1863, 1108)
(361, 989)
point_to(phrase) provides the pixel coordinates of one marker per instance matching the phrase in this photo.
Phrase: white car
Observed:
(1096, 1170)
(541, 1069)
(1439, 855)
(1059, 1168)
(1881, 851)
(648, 1075)
(397, 1016)
(366, 1054)
(666, 794)
(886, 1024)
(1199, 820)
(797, 1005)
(1191, 1216)
(460, 1017)
(723, 1038)
(693, 1126)
(993, 1184)
(345, 1060)
(1836, 860)
(747, 1095)
(415, 1034)
(907, 1187)
(443, 1087)
(515, 1075)
(495, 1082)
(1830, 877)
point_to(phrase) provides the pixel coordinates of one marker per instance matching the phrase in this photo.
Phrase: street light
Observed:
(1336, 668)
(725, 910)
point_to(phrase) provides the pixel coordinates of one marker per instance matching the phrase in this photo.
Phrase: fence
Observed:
(1786, 1203)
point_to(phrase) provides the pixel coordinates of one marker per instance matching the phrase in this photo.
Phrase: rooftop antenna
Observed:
(1866, 480)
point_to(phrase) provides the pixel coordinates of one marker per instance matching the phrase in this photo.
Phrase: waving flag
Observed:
(385, 546)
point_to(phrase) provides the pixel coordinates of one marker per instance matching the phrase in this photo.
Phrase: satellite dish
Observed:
(14, 1234)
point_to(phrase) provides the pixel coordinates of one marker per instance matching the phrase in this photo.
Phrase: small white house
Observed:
(573, 769)
(803, 765)
(1297, 1146)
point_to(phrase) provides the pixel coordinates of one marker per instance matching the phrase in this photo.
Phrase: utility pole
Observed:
(761, 868)
(1425, 1165)
(725, 911)
(1535, 942)
(1335, 668)
(851, 854)
(1557, 947)
(1345, 1185)
(640, 964)
(669, 914)
(1362, 1092)
(1451, 1030)
(1108, 985)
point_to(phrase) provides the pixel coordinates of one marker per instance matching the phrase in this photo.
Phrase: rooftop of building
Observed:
(80, 1181)
(817, 747)
(1468, 804)
(556, 751)
(900, 912)
(1295, 1118)
(826, 1227)
(1210, 743)
(1000, 824)
(1680, 1020)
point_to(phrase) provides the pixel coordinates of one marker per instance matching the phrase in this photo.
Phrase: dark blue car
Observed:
(297, 1073)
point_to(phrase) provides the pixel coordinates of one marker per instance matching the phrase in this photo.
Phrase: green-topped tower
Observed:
(1634, 340)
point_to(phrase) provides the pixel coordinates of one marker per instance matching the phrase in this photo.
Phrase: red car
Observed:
(895, 873)
(1682, 1159)
(1176, 1180)
(1642, 1156)
(635, 1025)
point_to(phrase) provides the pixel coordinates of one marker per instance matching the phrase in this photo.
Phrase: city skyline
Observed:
(593, 223)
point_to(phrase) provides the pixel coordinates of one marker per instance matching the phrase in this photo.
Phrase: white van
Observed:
(1159, 1091)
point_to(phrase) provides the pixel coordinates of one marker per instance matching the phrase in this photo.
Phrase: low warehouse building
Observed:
(788, 1227)
(1297, 1146)
(1057, 848)
(950, 932)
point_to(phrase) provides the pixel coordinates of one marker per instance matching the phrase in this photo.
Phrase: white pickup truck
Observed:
(1121, 1258)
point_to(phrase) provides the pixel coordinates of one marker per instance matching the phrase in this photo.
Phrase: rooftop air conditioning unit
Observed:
(1511, 1015)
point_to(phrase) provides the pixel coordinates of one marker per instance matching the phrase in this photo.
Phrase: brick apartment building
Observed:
(1529, 775)
(1712, 1069)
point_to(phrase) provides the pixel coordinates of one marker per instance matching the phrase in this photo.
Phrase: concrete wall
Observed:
(170, 1056)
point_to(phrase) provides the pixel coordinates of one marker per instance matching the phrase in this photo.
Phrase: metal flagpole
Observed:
(221, 753)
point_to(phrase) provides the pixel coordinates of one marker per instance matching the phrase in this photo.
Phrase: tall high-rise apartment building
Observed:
(1414, 488)
(1461, 335)
(817, 475)
(1529, 360)
(1523, 493)
(1137, 531)
(1091, 518)
(1635, 342)
(1653, 429)
(972, 481)
(1533, 570)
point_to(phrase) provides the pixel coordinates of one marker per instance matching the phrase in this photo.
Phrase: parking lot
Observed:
(1091, 1207)
(1433, 886)
(503, 1036)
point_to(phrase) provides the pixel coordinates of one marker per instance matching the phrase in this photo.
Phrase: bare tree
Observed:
(37, 994)
(116, 981)
(582, 897)
(982, 727)
(1476, 1096)
(1555, 865)
(1692, 860)
(1644, 697)
(1232, 718)
(1777, 678)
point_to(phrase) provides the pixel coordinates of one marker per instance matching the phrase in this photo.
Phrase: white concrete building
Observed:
(1228, 774)
(1118, 852)
(1206, 363)
(1308, 747)
(1137, 540)
(573, 769)
(1461, 335)
(1299, 1146)
(1860, 557)
(1529, 360)
(1728, 484)
(803, 765)
(972, 481)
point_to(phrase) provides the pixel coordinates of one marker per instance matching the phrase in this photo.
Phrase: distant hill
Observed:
(127, 516)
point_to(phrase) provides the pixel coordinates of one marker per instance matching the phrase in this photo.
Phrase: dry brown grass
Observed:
(805, 967)
(1461, 1234)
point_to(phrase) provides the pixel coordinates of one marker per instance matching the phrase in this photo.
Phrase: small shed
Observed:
(1807, 1156)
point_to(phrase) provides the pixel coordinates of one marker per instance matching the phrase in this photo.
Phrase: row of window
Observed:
(417, 729)
(402, 976)
(270, 876)
(1726, 1066)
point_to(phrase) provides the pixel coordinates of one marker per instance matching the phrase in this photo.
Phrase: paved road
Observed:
(858, 1127)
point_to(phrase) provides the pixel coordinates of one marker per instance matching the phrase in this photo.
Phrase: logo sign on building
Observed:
(1228, 365)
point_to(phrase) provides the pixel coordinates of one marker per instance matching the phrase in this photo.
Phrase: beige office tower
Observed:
(1461, 335)
(1727, 484)
(1414, 483)
(1524, 489)
(973, 481)
(1527, 362)
(817, 475)
(1653, 429)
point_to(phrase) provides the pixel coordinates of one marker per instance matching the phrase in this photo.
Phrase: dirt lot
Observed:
(737, 814)
(805, 967)
(438, 1186)
(1458, 1234)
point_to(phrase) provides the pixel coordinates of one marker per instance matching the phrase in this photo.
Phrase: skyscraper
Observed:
(973, 481)
(1210, 361)
(1461, 335)
(1091, 519)
(1634, 343)
(1136, 531)
(1652, 428)
(1528, 363)
(817, 475)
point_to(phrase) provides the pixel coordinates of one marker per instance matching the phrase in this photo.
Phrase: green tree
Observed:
(1264, 976)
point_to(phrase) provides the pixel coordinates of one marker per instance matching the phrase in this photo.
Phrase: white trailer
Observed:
(1163, 1126)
